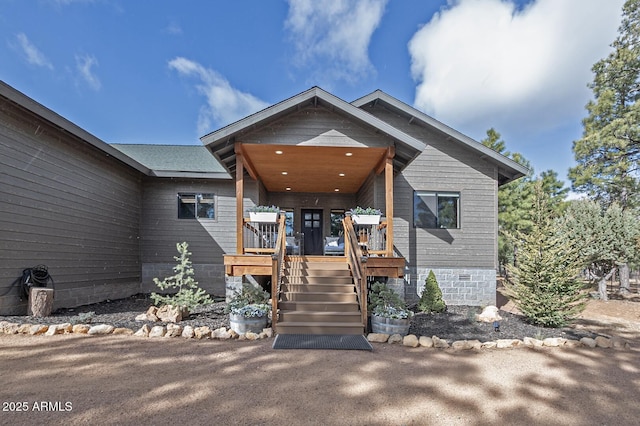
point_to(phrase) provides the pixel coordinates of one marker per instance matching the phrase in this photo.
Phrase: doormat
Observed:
(322, 341)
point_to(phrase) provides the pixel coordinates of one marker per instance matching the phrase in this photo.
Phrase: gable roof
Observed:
(56, 120)
(507, 168)
(175, 160)
(221, 142)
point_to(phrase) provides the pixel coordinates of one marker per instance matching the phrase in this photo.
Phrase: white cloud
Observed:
(225, 104)
(484, 63)
(335, 32)
(33, 55)
(84, 65)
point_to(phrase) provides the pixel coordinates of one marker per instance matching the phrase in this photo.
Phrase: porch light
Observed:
(341, 174)
(279, 152)
(285, 173)
(288, 188)
(348, 154)
(337, 190)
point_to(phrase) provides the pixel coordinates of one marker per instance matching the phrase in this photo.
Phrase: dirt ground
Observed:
(76, 380)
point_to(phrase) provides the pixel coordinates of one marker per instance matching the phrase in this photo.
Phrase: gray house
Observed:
(106, 218)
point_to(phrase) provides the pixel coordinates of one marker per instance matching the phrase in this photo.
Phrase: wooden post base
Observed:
(40, 301)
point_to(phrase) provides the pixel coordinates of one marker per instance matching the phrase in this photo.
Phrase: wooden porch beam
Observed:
(239, 202)
(246, 161)
(388, 184)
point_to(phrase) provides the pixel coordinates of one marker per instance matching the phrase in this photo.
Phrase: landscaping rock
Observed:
(59, 329)
(603, 342)
(439, 343)
(151, 314)
(553, 342)
(268, 332)
(489, 345)
(143, 317)
(221, 333)
(173, 330)
(37, 329)
(169, 313)
(157, 331)
(101, 329)
(203, 332)
(463, 345)
(619, 343)
(187, 332)
(588, 342)
(122, 331)
(530, 342)
(410, 340)
(80, 328)
(143, 331)
(251, 335)
(489, 314)
(508, 343)
(571, 343)
(395, 338)
(425, 341)
(377, 337)
(24, 328)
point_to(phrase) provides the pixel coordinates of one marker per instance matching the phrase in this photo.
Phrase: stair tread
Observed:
(320, 324)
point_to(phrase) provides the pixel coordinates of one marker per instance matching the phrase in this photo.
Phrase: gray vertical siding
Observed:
(69, 206)
(445, 166)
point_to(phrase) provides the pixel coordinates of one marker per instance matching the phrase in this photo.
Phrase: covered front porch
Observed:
(315, 157)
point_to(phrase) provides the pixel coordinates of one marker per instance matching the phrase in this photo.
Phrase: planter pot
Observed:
(241, 324)
(264, 217)
(366, 219)
(390, 326)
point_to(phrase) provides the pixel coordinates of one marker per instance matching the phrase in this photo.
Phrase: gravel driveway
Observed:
(128, 380)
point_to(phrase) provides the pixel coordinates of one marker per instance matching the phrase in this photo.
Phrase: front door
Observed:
(312, 229)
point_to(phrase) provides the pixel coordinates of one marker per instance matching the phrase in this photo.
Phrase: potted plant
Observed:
(365, 216)
(264, 214)
(249, 309)
(389, 313)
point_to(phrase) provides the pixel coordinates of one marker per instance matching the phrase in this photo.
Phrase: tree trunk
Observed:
(40, 301)
(602, 285)
(623, 272)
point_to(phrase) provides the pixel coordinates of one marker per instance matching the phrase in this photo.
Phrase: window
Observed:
(436, 210)
(336, 222)
(196, 206)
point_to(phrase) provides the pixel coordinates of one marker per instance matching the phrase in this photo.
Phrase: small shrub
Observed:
(385, 302)
(82, 318)
(431, 298)
(250, 302)
(189, 295)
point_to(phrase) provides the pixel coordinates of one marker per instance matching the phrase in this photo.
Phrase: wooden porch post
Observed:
(388, 184)
(239, 202)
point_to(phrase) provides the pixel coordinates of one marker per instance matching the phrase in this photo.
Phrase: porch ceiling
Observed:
(312, 168)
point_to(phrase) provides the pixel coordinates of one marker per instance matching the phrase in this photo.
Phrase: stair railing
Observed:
(357, 263)
(277, 268)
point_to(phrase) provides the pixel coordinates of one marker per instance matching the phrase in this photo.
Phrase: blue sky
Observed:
(168, 72)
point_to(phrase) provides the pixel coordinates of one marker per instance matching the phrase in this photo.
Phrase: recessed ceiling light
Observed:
(337, 190)
(288, 188)
(341, 174)
(279, 152)
(285, 173)
(348, 154)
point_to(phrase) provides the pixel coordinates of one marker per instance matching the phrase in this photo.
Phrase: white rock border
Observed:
(414, 341)
(222, 333)
(156, 331)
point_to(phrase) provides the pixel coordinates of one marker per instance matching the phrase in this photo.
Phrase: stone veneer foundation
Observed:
(464, 286)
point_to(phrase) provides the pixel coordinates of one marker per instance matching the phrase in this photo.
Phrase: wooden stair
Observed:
(318, 296)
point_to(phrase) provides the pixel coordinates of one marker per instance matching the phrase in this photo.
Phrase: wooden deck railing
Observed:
(357, 264)
(277, 269)
(372, 237)
(260, 237)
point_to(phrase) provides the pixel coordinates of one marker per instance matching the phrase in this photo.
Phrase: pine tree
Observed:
(431, 298)
(545, 284)
(189, 295)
